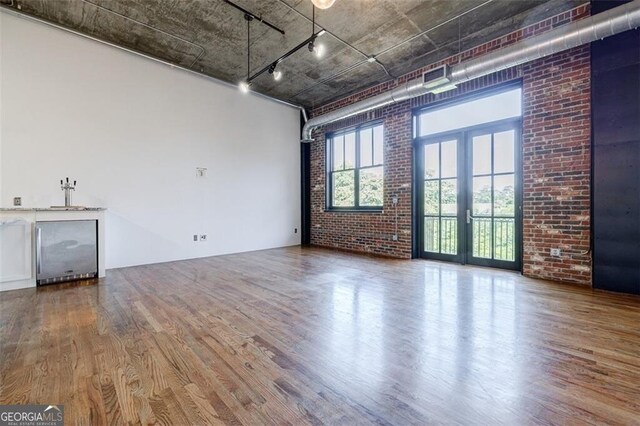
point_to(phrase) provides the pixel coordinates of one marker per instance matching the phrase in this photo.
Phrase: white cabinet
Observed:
(16, 249)
(17, 242)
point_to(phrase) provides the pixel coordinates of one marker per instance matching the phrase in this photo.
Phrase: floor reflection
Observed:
(451, 327)
(348, 339)
(357, 330)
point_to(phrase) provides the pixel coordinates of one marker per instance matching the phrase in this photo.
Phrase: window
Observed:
(495, 107)
(355, 171)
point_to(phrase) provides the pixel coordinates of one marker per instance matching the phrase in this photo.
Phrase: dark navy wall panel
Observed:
(616, 159)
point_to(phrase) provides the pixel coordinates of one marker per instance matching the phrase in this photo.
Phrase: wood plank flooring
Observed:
(311, 336)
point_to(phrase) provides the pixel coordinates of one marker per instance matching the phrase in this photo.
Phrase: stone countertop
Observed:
(51, 209)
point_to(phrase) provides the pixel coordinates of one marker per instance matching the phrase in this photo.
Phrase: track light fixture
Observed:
(244, 86)
(277, 75)
(310, 43)
(314, 47)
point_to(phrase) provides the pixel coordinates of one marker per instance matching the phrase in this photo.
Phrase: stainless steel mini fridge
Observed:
(66, 250)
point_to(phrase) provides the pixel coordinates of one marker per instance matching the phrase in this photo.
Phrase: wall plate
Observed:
(201, 172)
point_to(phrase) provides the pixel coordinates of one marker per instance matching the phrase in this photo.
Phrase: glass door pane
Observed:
(491, 217)
(440, 194)
(467, 179)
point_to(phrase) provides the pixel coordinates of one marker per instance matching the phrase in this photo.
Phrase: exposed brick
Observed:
(555, 152)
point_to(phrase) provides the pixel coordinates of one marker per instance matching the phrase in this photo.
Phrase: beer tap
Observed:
(67, 188)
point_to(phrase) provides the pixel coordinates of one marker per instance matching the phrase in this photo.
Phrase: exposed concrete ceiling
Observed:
(211, 36)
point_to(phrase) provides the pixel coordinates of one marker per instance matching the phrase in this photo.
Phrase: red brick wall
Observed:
(557, 166)
(556, 161)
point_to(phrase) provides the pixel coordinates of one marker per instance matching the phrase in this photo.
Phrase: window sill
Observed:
(373, 211)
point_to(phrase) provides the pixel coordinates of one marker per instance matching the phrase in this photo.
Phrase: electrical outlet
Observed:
(394, 200)
(555, 252)
(195, 237)
(17, 201)
(295, 231)
(203, 237)
(394, 237)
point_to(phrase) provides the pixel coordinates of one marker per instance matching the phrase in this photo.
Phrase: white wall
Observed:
(132, 132)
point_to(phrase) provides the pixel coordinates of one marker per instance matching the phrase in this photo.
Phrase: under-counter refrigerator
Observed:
(66, 250)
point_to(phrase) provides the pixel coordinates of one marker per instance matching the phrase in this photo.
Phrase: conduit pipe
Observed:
(597, 27)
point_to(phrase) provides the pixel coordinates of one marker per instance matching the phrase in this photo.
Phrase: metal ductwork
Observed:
(611, 22)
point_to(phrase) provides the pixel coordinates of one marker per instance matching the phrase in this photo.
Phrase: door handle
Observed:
(469, 217)
(38, 250)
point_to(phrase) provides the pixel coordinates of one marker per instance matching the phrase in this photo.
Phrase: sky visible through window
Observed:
(483, 110)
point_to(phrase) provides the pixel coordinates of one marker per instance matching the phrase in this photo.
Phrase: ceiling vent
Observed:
(436, 76)
(438, 80)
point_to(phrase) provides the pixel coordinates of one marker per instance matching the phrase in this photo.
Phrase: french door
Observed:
(468, 196)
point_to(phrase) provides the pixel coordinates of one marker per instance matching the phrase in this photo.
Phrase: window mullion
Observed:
(329, 174)
(330, 185)
(356, 173)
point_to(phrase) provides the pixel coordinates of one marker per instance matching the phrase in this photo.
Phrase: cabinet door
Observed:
(15, 248)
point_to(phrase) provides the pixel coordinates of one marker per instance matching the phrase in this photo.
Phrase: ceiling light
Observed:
(317, 49)
(277, 75)
(323, 4)
(244, 87)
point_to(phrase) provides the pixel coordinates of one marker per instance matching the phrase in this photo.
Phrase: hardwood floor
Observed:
(311, 336)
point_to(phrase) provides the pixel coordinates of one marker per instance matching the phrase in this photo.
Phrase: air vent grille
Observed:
(436, 77)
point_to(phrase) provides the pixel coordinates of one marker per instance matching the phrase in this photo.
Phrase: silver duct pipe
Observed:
(611, 22)
(409, 90)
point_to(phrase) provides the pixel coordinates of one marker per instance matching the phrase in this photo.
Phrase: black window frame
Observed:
(356, 169)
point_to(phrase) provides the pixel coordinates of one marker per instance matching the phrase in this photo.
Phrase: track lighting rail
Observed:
(254, 16)
(272, 66)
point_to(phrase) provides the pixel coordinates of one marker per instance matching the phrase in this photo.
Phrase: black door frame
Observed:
(463, 176)
(419, 144)
(498, 126)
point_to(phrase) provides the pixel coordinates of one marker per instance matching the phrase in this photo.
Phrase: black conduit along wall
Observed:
(615, 73)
